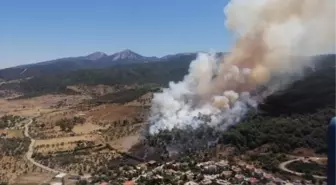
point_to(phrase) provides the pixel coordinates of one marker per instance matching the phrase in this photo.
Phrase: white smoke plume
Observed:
(270, 33)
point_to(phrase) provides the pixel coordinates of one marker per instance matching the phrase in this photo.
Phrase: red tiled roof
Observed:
(252, 180)
(129, 183)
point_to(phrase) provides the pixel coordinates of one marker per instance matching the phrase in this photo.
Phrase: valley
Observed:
(96, 133)
(66, 130)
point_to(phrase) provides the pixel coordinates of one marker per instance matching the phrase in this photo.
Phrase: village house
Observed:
(227, 174)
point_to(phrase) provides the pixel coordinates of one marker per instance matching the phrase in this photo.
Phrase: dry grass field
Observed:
(64, 143)
(33, 178)
(115, 124)
(80, 163)
(86, 128)
(114, 112)
(15, 133)
(13, 168)
(104, 124)
(124, 144)
(42, 104)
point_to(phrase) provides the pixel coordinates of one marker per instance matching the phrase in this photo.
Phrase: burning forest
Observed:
(274, 44)
(274, 39)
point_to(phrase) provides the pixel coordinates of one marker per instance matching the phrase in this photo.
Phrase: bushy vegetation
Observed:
(308, 168)
(293, 118)
(14, 146)
(269, 161)
(282, 134)
(67, 124)
(9, 121)
(124, 96)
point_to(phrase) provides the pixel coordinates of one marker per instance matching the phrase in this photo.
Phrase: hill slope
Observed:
(296, 117)
(136, 73)
(96, 60)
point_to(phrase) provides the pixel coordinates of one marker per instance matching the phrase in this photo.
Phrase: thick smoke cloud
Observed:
(271, 34)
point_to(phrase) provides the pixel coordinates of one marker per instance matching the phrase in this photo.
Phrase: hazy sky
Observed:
(38, 30)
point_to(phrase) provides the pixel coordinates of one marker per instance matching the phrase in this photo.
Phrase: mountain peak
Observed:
(96, 55)
(127, 51)
(126, 54)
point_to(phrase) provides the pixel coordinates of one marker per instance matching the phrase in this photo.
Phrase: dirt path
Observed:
(283, 167)
(31, 148)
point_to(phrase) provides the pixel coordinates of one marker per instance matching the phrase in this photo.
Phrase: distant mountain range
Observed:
(96, 60)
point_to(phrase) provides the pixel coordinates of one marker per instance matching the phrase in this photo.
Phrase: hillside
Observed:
(141, 73)
(173, 68)
(296, 117)
(315, 91)
(96, 60)
(289, 119)
(71, 129)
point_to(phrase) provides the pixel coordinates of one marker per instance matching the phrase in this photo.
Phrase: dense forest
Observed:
(296, 117)
(283, 133)
(293, 118)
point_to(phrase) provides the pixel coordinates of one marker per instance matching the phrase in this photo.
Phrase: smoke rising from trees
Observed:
(218, 91)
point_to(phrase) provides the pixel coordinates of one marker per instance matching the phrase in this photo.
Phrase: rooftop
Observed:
(60, 175)
(56, 183)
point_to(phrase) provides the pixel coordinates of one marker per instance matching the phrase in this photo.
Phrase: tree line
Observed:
(67, 124)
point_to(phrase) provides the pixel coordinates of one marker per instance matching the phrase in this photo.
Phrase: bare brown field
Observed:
(45, 126)
(86, 128)
(124, 144)
(84, 162)
(56, 115)
(67, 139)
(14, 167)
(114, 112)
(115, 124)
(54, 147)
(42, 104)
(34, 178)
(50, 146)
(15, 133)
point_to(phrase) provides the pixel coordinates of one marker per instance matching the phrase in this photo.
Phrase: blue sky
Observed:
(38, 30)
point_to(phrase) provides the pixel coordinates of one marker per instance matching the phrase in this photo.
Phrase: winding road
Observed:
(283, 167)
(29, 153)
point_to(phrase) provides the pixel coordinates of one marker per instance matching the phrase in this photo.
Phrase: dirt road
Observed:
(283, 167)
(31, 148)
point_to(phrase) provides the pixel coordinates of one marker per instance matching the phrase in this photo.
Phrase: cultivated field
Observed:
(14, 168)
(70, 133)
(38, 105)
